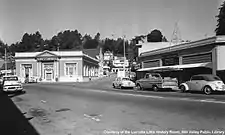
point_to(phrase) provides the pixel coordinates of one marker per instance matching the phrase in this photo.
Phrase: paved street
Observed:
(96, 108)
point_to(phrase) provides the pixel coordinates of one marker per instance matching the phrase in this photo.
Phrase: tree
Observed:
(109, 45)
(164, 39)
(90, 43)
(66, 40)
(155, 36)
(2, 48)
(220, 30)
(136, 39)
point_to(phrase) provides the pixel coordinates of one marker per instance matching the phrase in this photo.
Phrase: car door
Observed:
(196, 83)
(145, 81)
(118, 82)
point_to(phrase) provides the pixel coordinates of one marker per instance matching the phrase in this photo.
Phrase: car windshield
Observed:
(126, 79)
(212, 78)
(10, 78)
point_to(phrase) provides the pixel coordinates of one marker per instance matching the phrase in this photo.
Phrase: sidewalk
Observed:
(12, 121)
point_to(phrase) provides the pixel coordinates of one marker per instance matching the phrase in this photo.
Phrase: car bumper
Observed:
(128, 85)
(220, 89)
(171, 87)
(17, 89)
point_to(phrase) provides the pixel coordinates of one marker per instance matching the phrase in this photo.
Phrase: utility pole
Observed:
(5, 59)
(57, 46)
(176, 36)
(124, 53)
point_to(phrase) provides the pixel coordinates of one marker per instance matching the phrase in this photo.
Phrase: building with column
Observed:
(56, 66)
(186, 59)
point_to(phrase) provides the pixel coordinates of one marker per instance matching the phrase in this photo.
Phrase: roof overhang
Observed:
(177, 67)
(188, 45)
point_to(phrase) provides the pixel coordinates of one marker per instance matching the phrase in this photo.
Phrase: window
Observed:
(126, 79)
(197, 78)
(212, 78)
(71, 69)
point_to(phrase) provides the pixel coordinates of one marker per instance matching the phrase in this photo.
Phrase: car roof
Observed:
(123, 77)
(204, 75)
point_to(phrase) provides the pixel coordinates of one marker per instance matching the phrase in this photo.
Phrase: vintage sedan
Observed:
(204, 82)
(123, 82)
(11, 83)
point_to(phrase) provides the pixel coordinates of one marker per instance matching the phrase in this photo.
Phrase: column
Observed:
(55, 75)
(160, 63)
(37, 68)
(84, 70)
(180, 60)
(214, 60)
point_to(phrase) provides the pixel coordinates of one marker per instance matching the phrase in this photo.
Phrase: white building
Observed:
(53, 66)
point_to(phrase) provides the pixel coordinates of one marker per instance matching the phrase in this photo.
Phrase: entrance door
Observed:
(48, 71)
(48, 76)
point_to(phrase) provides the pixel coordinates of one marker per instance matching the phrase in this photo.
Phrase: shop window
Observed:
(170, 60)
(148, 64)
(71, 69)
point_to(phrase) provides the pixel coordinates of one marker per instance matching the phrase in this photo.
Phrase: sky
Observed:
(196, 18)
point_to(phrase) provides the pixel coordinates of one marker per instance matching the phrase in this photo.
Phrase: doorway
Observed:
(49, 75)
(48, 71)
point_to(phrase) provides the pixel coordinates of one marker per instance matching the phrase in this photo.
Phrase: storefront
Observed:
(187, 59)
(53, 66)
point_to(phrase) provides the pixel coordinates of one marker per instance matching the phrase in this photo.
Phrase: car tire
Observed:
(207, 90)
(114, 86)
(139, 87)
(155, 88)
(182, 88)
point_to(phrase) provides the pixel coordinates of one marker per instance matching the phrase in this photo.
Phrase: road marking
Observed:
(161, 97)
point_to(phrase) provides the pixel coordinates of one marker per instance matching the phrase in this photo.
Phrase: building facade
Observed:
(119, 63)
(187, 59)
(53, 66)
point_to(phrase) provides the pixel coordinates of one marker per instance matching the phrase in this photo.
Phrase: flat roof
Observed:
(187, 45)
(57, 53)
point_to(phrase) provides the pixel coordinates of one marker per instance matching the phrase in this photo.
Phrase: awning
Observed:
(206, 65)
(163, 68)
(177, 67)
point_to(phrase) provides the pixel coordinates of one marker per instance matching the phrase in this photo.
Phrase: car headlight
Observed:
(215, 86)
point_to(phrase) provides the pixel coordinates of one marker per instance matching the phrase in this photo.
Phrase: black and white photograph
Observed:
(112, 67)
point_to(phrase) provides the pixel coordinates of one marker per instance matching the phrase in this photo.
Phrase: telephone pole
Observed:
(124, 52)
(5, 59)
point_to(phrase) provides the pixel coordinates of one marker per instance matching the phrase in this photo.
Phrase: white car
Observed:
(204, 82)
(12, 84)
(123, 82)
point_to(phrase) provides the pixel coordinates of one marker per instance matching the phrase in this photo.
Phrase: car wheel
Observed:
(207, 90)
(155, 88)
(182, 88)
(139, 87)
(114, 86)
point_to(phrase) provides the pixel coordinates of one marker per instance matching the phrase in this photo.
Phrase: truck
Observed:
(156, 82)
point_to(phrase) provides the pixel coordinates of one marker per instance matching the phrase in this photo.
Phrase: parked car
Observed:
(33, 79)
(156, 82)
(204, 82)
(123, 82)
(11, 83)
